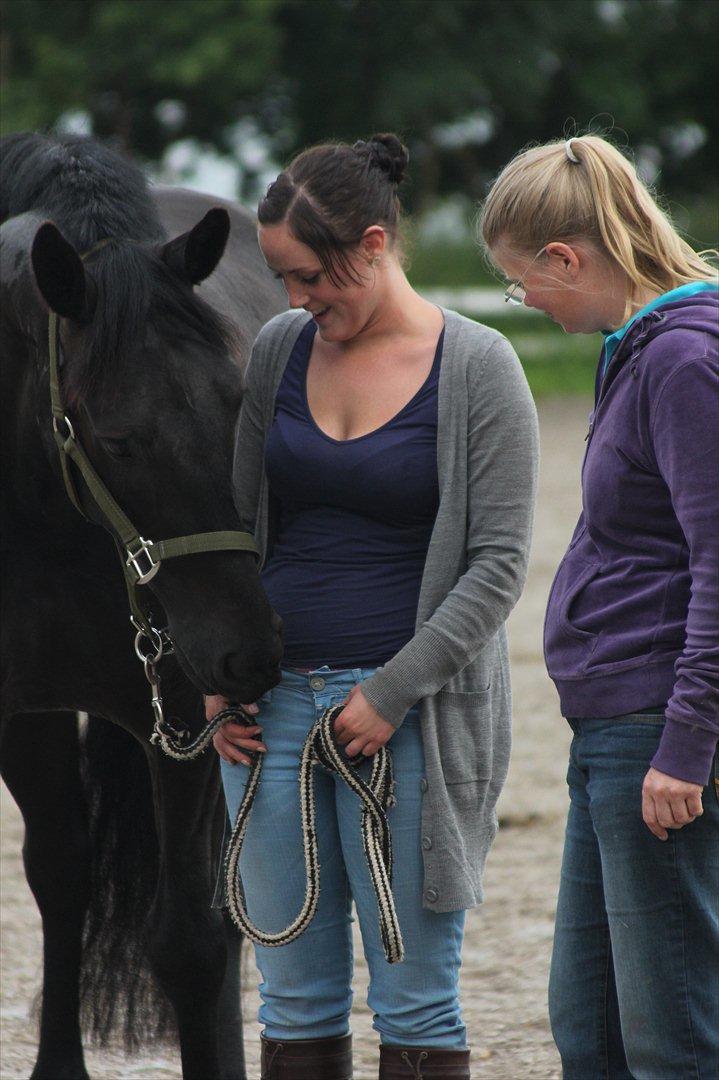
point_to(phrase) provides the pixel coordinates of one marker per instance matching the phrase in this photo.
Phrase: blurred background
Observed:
(217, 94)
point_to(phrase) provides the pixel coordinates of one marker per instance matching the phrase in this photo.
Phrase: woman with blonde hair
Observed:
(632, 625)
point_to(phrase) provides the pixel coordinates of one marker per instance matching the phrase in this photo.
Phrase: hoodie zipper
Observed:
(637, 341)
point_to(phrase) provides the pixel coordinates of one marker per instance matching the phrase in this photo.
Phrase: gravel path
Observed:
(508, 940)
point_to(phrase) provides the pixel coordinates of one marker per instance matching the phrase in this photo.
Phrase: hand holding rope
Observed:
(377, 795)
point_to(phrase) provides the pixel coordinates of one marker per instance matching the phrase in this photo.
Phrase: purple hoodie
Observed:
(633, 613)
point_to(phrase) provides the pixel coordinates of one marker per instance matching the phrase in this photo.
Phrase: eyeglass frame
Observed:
(511, 293)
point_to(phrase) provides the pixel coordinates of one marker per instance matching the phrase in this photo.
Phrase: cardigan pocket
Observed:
(465, 735)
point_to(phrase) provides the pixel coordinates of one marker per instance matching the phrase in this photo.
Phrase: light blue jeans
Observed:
(306, 985)
(634, 986)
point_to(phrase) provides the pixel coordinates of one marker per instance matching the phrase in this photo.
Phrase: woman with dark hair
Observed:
(386, 461)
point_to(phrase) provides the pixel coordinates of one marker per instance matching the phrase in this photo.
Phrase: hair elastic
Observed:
(570, 153)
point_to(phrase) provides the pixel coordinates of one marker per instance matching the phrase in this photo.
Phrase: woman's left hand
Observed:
(668, 803)
(359, 727)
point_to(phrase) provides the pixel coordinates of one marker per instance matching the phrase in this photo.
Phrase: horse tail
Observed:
(119, 997)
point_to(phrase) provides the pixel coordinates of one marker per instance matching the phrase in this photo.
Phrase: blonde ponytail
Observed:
(585, 189)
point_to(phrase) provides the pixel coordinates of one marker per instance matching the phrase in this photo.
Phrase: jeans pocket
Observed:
(329, 701)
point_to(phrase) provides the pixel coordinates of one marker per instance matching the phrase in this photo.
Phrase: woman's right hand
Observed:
(232, 739)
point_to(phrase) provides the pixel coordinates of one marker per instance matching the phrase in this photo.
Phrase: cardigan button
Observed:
(426, 843)
(423, 785)
(432, 896)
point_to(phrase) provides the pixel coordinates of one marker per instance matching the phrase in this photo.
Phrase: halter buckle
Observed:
(142, 563)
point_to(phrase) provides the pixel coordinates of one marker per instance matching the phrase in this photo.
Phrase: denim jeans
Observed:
(306, 985)
(634, 984)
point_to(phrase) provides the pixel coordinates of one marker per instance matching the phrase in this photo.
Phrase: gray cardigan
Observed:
(456, 664)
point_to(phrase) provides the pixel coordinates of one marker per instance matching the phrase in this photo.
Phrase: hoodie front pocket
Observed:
(567, 647)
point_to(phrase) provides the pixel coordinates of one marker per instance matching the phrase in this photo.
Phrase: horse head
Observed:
(152, 388)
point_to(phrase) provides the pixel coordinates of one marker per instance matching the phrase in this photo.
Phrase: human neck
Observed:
(623, 301)
(621, 315)
(401, 312)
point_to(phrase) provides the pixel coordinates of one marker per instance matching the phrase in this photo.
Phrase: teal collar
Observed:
(611, 341)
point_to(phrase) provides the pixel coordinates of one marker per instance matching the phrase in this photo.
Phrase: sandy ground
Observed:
(508, 940)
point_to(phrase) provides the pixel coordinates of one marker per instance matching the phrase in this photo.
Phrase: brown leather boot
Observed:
(422, 1063)
(307, 1059)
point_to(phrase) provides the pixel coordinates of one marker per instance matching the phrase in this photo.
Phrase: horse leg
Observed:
(232, 1046)
(188, 950)
(40, 765)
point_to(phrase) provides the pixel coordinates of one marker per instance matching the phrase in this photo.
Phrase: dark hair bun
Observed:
(390, 155)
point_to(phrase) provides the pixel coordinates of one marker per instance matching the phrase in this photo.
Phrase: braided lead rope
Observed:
(321, 748)
(173, 740)
(376, 837)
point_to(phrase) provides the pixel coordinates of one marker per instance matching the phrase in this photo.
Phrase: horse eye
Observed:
(117, 448)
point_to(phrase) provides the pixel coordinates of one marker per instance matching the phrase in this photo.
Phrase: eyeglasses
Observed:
(517, 293)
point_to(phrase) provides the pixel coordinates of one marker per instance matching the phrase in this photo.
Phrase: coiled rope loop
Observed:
(320, 748)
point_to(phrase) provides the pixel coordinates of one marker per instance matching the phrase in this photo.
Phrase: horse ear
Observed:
(194, 255)
(59, 274)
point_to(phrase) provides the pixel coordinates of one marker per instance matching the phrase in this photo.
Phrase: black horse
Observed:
(151, 379)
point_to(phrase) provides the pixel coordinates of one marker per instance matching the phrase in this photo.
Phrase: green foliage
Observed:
(118, 59)
(520, 71)
(532, 68)
(448, 265)
(554, 362)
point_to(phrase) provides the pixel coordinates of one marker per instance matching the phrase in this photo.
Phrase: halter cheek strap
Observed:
(140, 558)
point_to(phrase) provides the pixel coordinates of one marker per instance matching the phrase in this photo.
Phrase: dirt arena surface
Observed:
(508, 941)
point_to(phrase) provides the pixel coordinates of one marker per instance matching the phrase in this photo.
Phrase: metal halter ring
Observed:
(150, 657)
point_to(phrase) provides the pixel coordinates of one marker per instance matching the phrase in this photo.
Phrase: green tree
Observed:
(118, 59)
(534, 68)
(467, 83)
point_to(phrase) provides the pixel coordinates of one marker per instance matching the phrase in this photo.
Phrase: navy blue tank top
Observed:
(353, 523)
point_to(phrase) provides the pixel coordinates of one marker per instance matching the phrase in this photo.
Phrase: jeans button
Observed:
(426, 843)
(432, 896)
(317, 682)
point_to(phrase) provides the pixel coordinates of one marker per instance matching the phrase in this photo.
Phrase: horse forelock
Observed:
(140, 301)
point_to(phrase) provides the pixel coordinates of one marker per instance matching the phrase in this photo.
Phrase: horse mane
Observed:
(93, 193)
(89, 190)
